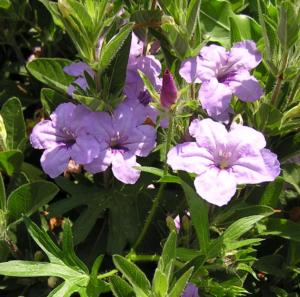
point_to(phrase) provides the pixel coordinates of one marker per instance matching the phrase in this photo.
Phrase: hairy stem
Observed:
(159, 195)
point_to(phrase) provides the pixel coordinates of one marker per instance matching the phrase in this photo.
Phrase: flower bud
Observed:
(168, 94)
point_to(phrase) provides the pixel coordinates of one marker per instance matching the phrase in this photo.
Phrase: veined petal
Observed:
(209, 134)
(216, 186)
(190, 157)
(45, 136)
(245, 86)
(215, 97)
(256, 167)
(62, 115)
(55, 161)
(122, 168)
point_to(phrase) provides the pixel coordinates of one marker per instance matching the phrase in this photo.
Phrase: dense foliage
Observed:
(149, 148)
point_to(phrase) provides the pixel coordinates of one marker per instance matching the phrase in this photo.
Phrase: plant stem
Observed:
(161, 188)
(150, 217)
(279, 80)
(107, 274)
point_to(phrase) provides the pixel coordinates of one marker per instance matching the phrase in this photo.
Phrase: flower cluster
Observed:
(223, 74)
(95, 140)
(221, 159)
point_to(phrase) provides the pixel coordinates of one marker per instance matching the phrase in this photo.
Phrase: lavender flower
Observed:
(190, 291)
(222, 160)
(64, 137)
(168, 93)
(148, 64)
(122, 136)
(223, 74)
(77, 70)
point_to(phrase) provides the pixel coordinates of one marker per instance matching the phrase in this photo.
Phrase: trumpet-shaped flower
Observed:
(222, 160)
(121, 136)
(223, 74)
(65, 136)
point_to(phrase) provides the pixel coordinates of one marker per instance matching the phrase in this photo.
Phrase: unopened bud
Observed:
(168, 94)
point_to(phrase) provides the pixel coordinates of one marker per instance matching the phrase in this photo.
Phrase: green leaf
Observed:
(50, 72)
(116, 72)
(5, 4)
(150, 88)
(44, 241)
(271, 193)
(215, 22)
(193, 16)
(68, 248)
(113, 46)
(241, 226)
(199, 214)
(28, 198)
(14, 124)
(132, 273)
(120, 288)
(160, 283)
(51, 99)
(11, 161)
(283, 228)
(35, 269)
(291, 174)
(2, 194)
(169, 251)
(181, 284)
(288, 27)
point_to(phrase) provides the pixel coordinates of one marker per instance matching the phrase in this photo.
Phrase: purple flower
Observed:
(122, 136)
(222, 160)
(190, 291)
(77, 70)
(148, 64)
(223, 74)
(168, 93)
(65, 136)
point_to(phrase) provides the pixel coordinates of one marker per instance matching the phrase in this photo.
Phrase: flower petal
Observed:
(122, 168)
(244, 55)
(77, 69)
(245, 86)
(55, 161)
(189, 157)
(141, 141)
(101, 163)
(190, 291)
(189, 70)
(215, 97)
(256, 167)
(45, 136)
(216, 186)
(240, 135)
(209, 134)
(85, 149)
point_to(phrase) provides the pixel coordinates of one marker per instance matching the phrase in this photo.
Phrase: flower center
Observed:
(70, 138)
(224, 160)
(117, 146)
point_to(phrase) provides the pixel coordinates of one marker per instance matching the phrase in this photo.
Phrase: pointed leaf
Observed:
(120, 287)
(132, 273)
(181, 284)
